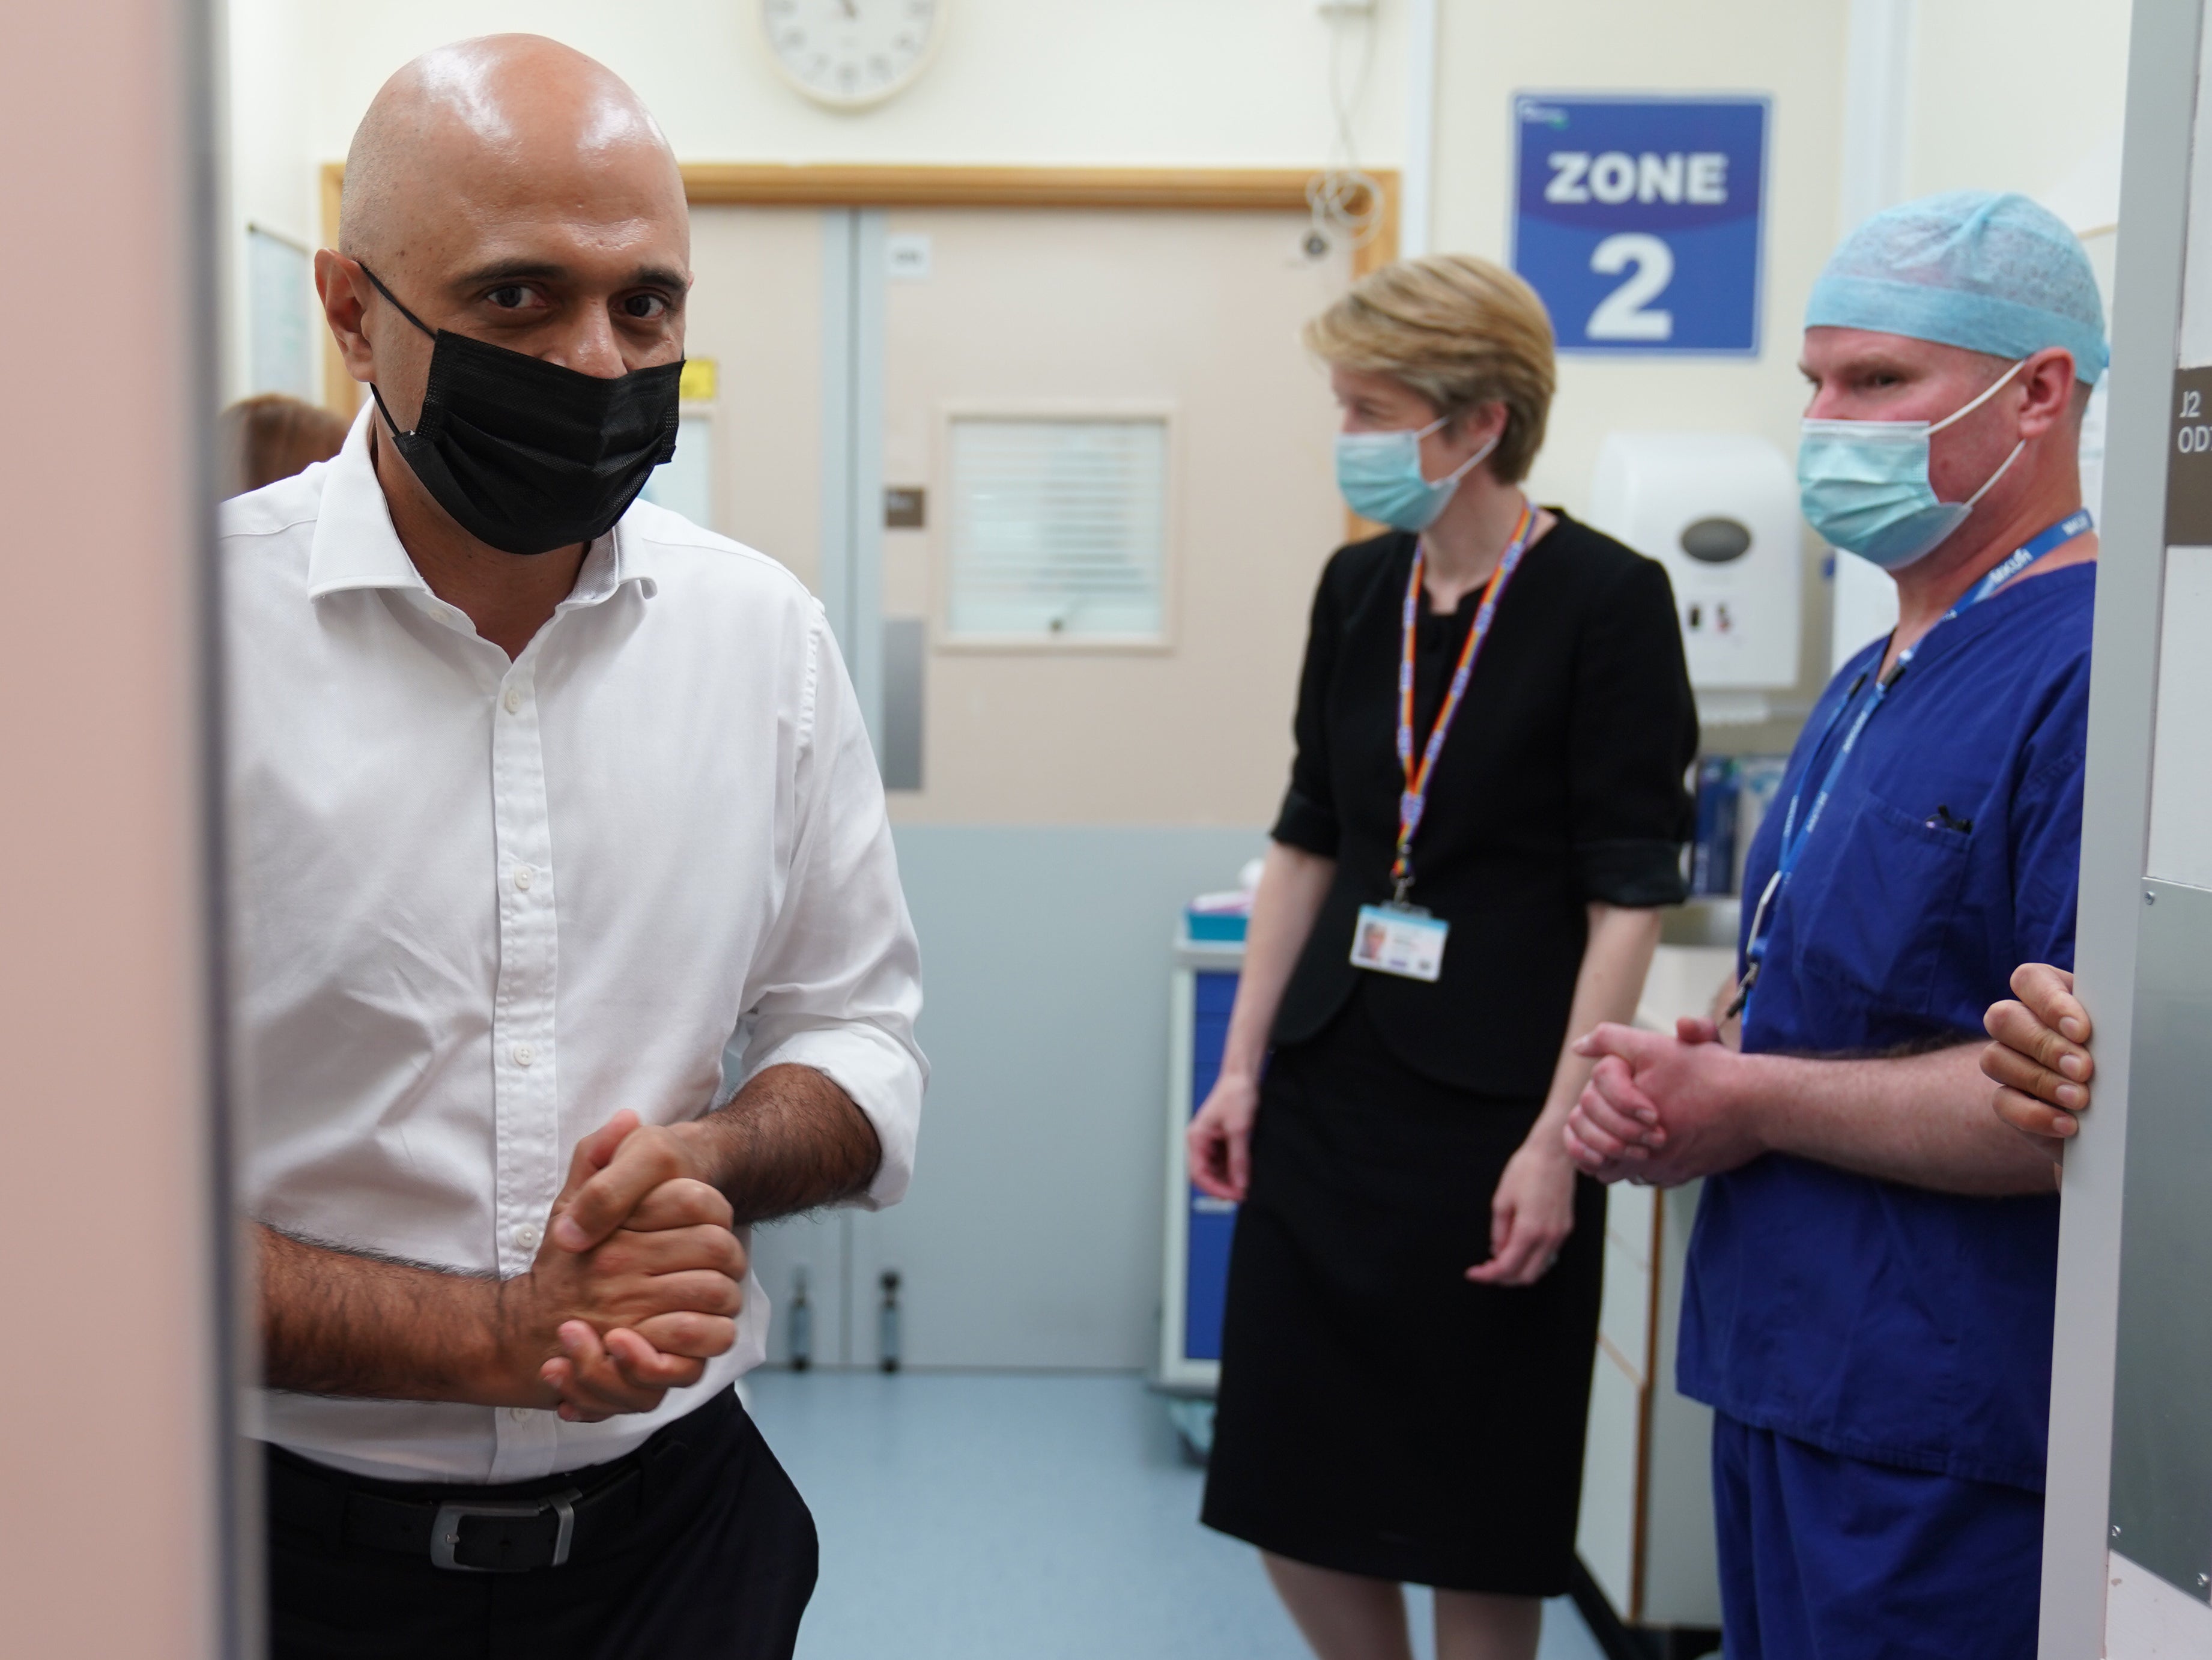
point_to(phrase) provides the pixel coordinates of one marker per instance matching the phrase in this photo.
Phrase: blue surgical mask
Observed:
(1380, 474)
(1863, 484)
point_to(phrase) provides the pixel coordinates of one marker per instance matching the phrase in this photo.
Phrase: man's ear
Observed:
(2049, 385)
(344, 294)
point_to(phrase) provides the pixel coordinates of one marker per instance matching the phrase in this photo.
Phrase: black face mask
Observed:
(526, 455)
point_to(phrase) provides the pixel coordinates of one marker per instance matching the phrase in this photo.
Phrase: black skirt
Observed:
(1379, 1413)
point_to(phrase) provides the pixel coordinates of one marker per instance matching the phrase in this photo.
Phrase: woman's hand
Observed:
(1220, 1137)
(2040, 1061)
(1531, 1214)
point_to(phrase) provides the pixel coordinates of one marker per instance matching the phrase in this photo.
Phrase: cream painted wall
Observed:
(1989, 105)
(1159, 81)
(1042, 83)
(1792, 53)
(266, 126)
(1246, 82)
(2014, 94)
(1970, 124)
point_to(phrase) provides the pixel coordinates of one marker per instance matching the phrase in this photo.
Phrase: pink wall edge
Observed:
(108, 1520)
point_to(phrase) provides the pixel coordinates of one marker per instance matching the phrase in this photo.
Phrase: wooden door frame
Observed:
(840, 184)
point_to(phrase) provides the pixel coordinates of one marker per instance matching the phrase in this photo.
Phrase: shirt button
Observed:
(523, 876)
(524, 1054)
(521, 1415)
(527, 1235)
(513, 699)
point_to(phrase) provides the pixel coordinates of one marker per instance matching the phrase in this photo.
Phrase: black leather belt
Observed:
(496, 1530)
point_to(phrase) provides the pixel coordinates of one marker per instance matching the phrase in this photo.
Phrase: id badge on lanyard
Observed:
(1400, 937)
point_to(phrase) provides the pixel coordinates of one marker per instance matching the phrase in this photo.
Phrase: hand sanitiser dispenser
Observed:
(1719, 510)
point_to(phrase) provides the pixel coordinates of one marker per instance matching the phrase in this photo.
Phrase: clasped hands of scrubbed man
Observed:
(637, 1282)
(1617, 1130)
(2039, 1060)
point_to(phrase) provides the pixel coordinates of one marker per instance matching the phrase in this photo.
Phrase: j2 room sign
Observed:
(1640, 219)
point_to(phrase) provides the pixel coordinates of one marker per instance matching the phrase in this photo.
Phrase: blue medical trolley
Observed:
(1199, 1226)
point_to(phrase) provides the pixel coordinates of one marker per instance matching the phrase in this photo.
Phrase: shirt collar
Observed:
(356, 547)
(355, 544)
(608, 563)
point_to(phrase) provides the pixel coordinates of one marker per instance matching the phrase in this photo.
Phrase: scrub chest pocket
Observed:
(1884, 891)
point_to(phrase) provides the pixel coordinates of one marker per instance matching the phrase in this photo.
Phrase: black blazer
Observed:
(1561, 783)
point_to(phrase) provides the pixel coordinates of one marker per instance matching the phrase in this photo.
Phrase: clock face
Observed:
(849, 53)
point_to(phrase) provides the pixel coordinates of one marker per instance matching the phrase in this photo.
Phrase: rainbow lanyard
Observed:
(1415, 798)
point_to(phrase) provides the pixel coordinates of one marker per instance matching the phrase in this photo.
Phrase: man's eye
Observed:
(511, 297)
(646, 307)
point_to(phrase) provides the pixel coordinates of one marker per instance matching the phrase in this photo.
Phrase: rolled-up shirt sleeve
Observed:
(838, 985)
(1633, 735)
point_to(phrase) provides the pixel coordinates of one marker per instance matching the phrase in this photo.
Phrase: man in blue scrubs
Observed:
(1868, 1302)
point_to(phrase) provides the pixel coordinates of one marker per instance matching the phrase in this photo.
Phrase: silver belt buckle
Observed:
(446, 1527)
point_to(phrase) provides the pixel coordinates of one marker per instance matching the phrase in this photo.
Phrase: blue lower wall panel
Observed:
(1032, 1234)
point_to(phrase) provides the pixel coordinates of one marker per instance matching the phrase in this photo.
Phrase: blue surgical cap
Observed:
(1992, 273)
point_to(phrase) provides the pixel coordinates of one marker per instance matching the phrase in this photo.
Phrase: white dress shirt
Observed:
(480, 906)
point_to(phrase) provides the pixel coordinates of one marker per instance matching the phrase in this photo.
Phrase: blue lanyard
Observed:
(1796, 834)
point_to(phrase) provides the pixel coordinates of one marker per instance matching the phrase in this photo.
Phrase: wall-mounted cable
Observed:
(1347, 203)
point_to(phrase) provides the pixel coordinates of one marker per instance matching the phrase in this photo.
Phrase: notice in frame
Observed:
(2189, 416)
(1640, 219)
(2188, 466)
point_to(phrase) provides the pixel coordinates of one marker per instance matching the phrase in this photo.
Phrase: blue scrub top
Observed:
(1879, 1320)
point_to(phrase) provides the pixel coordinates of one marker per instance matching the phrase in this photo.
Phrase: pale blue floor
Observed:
(993, 1517)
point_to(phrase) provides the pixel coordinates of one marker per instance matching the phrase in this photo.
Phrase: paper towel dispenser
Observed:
(1719, 510)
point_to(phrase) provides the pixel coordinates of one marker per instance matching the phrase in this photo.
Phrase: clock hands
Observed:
(850, 53)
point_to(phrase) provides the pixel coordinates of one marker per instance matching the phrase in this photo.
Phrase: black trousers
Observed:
(719, 1566)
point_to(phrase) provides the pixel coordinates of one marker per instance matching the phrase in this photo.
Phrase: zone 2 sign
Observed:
(1638, 219)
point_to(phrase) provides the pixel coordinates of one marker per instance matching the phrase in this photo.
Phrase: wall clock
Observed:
(849, 54)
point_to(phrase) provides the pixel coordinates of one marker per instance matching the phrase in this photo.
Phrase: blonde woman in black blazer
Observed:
(1413, 1288)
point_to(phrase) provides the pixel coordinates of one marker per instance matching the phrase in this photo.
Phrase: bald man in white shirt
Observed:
(569, 939)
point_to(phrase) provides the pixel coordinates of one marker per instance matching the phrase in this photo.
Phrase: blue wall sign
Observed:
(1638, 219)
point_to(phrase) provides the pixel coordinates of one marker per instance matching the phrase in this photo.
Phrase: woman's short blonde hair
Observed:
(1461, 331)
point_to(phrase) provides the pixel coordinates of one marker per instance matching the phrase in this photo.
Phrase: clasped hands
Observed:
(636, 1284)
(1664, 1111)
(1661, 1109)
